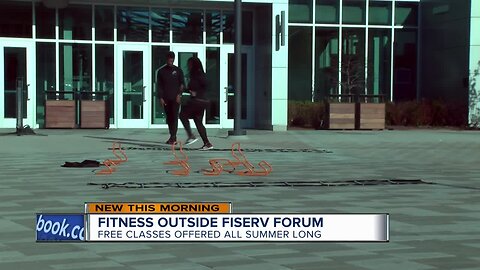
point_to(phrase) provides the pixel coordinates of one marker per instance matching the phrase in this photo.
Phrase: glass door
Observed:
(16, 75)
(227, 109)
(133, 102)
(182, 54)
(228, 77)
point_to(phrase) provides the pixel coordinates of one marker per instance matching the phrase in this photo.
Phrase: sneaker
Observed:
(190, 140)
(171, 141)
(206, 146)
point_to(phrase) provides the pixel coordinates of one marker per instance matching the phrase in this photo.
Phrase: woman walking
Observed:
(196, 105)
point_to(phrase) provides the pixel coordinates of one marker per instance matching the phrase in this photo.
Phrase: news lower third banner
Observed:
(60, 227)
(204, 222)
(238, 227)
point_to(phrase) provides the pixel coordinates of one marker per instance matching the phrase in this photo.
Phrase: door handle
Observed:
(143, 93)
(26, 92)
(226, 92)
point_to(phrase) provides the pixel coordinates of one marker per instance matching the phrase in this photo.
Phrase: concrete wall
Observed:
(263, 66)
(444, 41)
(474, 64)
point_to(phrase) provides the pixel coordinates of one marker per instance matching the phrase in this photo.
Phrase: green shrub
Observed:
(306, 114)
(425, 113)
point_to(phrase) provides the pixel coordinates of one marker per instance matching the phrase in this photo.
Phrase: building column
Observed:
(279, 70)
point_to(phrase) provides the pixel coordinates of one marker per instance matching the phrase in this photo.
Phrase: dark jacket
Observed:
(169, 80)
(198, 84)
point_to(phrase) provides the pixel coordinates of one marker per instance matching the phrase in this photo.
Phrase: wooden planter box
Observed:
(60, 114)
(341, 115)
(372, 116)
(94, 114)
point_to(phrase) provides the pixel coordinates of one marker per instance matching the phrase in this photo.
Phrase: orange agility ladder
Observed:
(180, 161)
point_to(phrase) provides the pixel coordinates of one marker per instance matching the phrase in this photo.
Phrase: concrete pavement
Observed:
(432, 226)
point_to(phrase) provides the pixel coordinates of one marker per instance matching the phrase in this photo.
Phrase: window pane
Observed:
(300, 63)
(75, 22)
(187, 26)
(405, 65)
(380, 13)
(354, 11)
(133, 84)
(300, 11)
(326, 62)
(158, 60)
(45, 77)
(406, 14)
(213, 21)
(15, 74)
(379, 55)
(132, 24)
(229, 27)
(75, 67)
(15, 19)
(353, 61)
(44, 21)
(160, 25)
(104, 22)
(213, 91)
(327, 11)
(104, 77)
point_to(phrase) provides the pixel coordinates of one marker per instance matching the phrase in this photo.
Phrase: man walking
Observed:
(170, 86)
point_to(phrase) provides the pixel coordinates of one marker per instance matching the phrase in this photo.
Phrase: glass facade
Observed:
(351, 42)
(81, 58)
(335, 47)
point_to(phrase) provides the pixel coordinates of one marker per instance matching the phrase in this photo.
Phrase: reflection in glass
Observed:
(75, 22)
(15, 19)
(354, 11)
(104, 75)
(158, 60)
(187, 26)
(160, 25)
(327, 11)
(44, 21)
(229, 27)
(379, 55)
(75, 68)
(213, 24)
(300, 63)
(212, 67)
(132, 24)
(406, 14)
(104, 22)
(353, 61)
(231, 84)
(45, 77)
(133, 90)
(300, 11)
(405, 65)
(15, 75)
(183, 63)
(380, 13)
(326, 62)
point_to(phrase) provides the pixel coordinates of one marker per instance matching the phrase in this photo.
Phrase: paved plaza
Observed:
(432, 226)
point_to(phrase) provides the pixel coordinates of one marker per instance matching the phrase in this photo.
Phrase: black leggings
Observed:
(194, 109)
(171, 110)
